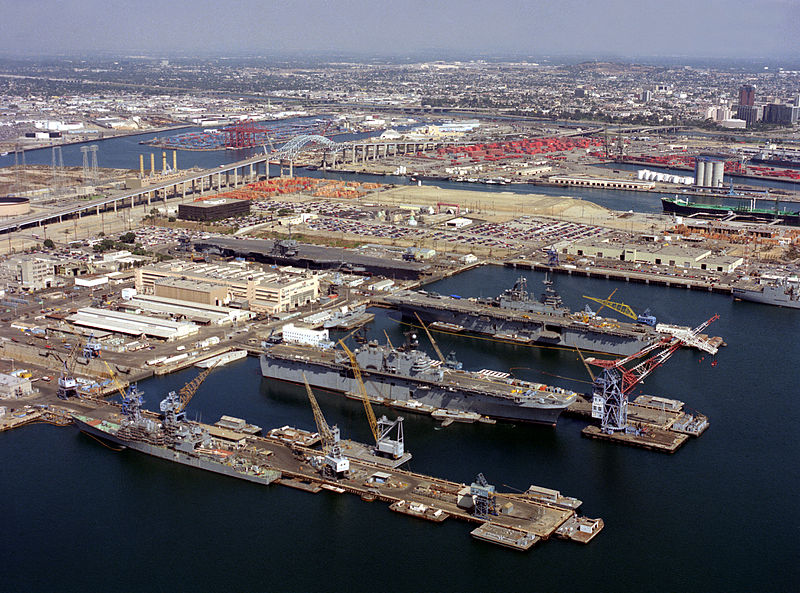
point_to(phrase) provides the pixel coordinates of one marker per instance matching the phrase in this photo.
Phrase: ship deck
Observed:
(510, 389)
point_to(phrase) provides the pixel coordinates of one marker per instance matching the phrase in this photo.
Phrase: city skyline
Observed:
(574, 27)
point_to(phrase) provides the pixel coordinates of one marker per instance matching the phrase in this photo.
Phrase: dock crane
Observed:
(131, 400)
(381, 428)
(92, 348)
(174, 405)
(430, 337)
(611, 387)
(624, 309)
(67, 384)
(335, 464)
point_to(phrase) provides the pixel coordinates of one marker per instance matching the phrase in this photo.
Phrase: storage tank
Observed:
(717, 173)
(707, 174)
(699, 171)
(640, 174)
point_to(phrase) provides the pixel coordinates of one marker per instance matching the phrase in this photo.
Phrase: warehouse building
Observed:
(215, 209)
(221, 284)
(198, 313)
(697, 258)
(132, 324)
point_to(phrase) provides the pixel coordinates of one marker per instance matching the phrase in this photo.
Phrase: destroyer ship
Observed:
(173, 438)
(516, 316)
(779, 291)
(410, 375)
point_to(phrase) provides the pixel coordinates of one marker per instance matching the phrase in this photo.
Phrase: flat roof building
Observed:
(213, 209)
(132, 324)
(264, 291)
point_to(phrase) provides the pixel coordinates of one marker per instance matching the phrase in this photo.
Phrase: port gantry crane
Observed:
(334, 464)
(430, 337)
(381, 428)
(92, 348)
(174, 405)
(611, 387)
(67, 384)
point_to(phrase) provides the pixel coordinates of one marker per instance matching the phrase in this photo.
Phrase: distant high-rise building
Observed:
(747, 95)
(580, 92)
(646, 96)
(750, 113)
(781, 114)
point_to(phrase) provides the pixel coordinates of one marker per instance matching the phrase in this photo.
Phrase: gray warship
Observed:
(408, 374)
(516, 316)
(781, 292)
(176, 439)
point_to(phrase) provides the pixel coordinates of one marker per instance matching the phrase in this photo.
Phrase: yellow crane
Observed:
(381, 429)
(618, 307)
(113, 376)
(430, 337)
(335, 463)
(373, 423)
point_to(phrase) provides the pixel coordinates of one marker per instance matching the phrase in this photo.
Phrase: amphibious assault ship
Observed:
(175, 439)
(782, 292)
(516, 316)
(409, 374)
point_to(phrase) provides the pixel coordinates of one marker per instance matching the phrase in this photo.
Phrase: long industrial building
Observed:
(198, 313)
(247, 286)
(132, 324)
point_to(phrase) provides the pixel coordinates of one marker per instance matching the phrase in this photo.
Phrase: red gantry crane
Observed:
(612, 385)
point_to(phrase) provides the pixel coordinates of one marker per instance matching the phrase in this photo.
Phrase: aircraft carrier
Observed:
(516, 316)
(409, 374)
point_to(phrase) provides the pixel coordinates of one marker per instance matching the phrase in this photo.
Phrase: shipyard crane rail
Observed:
(430, 337)
(373, 422)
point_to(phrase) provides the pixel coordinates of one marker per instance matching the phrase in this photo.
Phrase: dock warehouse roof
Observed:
(132, 324)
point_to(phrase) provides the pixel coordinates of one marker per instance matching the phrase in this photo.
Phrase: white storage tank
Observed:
(717, 173)
(700, 171)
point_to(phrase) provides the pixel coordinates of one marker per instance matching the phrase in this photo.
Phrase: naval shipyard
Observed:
(516, 316)
(407, 374)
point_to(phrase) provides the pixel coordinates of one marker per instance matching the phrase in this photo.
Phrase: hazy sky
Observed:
(724, 28)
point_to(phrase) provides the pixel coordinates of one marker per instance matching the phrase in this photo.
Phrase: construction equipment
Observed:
(335, 464)
(484, 497)
(430, 337)
(612, 385)
(174, 405)
(381, 428)
(624, 309)
(67, 384)
(92, 348)
(131, 400)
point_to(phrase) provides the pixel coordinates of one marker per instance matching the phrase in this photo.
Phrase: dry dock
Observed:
(514, 520)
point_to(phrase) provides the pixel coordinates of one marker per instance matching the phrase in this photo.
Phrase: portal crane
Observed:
(67, 384)
(383, 427)
(612, 385)
(335, 463)
(131, 400)
(92, 347)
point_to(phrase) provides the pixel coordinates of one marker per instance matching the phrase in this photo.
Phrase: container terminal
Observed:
(284, 456)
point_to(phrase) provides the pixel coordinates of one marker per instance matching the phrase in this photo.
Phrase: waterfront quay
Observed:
(514, 520)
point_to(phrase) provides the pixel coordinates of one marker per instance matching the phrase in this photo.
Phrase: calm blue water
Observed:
(719, 515)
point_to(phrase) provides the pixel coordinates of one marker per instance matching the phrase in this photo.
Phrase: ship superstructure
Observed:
(516, 316)
(409, 374)
(779, 291)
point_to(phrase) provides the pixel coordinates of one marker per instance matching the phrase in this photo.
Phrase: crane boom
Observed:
(322, 426)
(187, 391)
(373, 422)
(621, 308)
(113, 376)
(430, 337)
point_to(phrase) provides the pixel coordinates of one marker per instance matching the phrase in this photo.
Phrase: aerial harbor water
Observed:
(695, 520)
